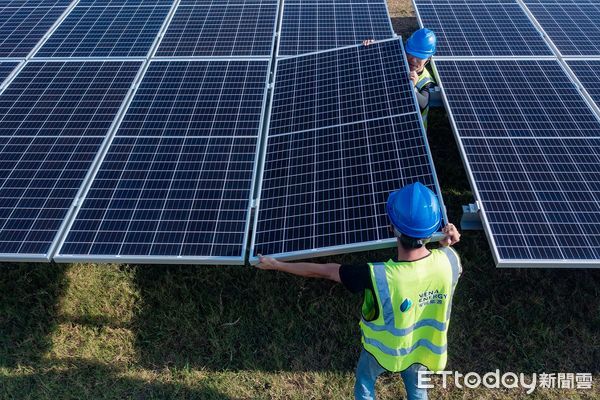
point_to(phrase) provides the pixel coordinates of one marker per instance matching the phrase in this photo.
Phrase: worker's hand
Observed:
(266, 262)
(413, 77)
(452, 235)
(367, 42)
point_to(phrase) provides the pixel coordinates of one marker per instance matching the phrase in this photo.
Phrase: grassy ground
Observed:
(155, 332)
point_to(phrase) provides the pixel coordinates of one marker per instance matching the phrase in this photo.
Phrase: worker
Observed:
(419, 48)
(407, 300)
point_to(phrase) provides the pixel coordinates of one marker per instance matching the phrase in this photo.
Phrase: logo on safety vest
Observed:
(405, 306)
(432, 297)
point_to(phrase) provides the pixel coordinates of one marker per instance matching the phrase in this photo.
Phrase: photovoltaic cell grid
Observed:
(33, 3)
(22, 28)
(104, 3)
(515, 99)
(531, 143)
(541, 195)
(340, 87)
(221, 30)
(53, 118)
(573, 25)
(126, 31)
(6, 67)
(177, 179)
(588, 73)
(309, 27)
(481, 28)
(351, 135)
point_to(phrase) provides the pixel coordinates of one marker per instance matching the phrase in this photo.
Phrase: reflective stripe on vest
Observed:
(395, 347)
(424, 79)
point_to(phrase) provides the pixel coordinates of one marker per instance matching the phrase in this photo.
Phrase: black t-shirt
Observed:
(356, 278)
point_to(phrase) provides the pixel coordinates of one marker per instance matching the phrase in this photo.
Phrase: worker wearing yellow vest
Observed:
(419, 48)
(407, 300)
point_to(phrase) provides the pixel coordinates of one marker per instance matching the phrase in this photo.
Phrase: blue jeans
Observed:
(368, 370)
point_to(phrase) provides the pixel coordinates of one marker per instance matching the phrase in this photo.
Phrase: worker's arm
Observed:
(308, 270)
(422, 98)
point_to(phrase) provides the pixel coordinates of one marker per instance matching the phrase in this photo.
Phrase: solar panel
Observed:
(6, 67)
(309, 27)
(34, 3)
(515, 99)
(573, 25)
(176, 183)
(104, 3)
(106, 32)
(53, 118)
(221, 30)
(588, 73)
(345, 132)
(481, 28)
(347, 86)
(541, 196)
(531, 145)
(22, 28)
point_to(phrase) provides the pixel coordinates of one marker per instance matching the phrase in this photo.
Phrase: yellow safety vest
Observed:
(414, 300)
(424, 79)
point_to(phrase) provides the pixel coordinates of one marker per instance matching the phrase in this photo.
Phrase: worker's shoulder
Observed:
(451, 254)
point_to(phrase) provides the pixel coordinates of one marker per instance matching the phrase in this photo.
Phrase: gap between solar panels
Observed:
(527, 131)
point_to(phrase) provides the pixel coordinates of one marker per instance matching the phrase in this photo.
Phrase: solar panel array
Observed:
(243, 28)
(53, 119)
(527, 135)
(21, 28)
(572, 25)
(110, 31)
(588, 73)
(177, 180)
(313, 26)
(344, 132)
(481, 28)
(135, 130)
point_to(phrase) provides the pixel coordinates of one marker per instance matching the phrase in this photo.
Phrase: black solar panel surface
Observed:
(481, 28)
(309, 27)
(111, 31)
(53, 118)
(221, 30)
(177, 179)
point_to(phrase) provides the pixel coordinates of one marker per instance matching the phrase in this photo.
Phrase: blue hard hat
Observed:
(421, 44)
(414, 211)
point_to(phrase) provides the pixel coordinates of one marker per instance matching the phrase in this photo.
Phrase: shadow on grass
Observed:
(238, 318)
(29, 294)
(81, 379)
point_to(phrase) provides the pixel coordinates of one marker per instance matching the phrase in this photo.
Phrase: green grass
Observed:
(155, 332)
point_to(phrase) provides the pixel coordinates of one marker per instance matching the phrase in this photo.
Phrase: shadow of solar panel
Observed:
(126, 31)
(309, 27)
(481, 28)
(221, 30)
(53, 119)
(175, 185)
(22, 28)
(572, 25)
